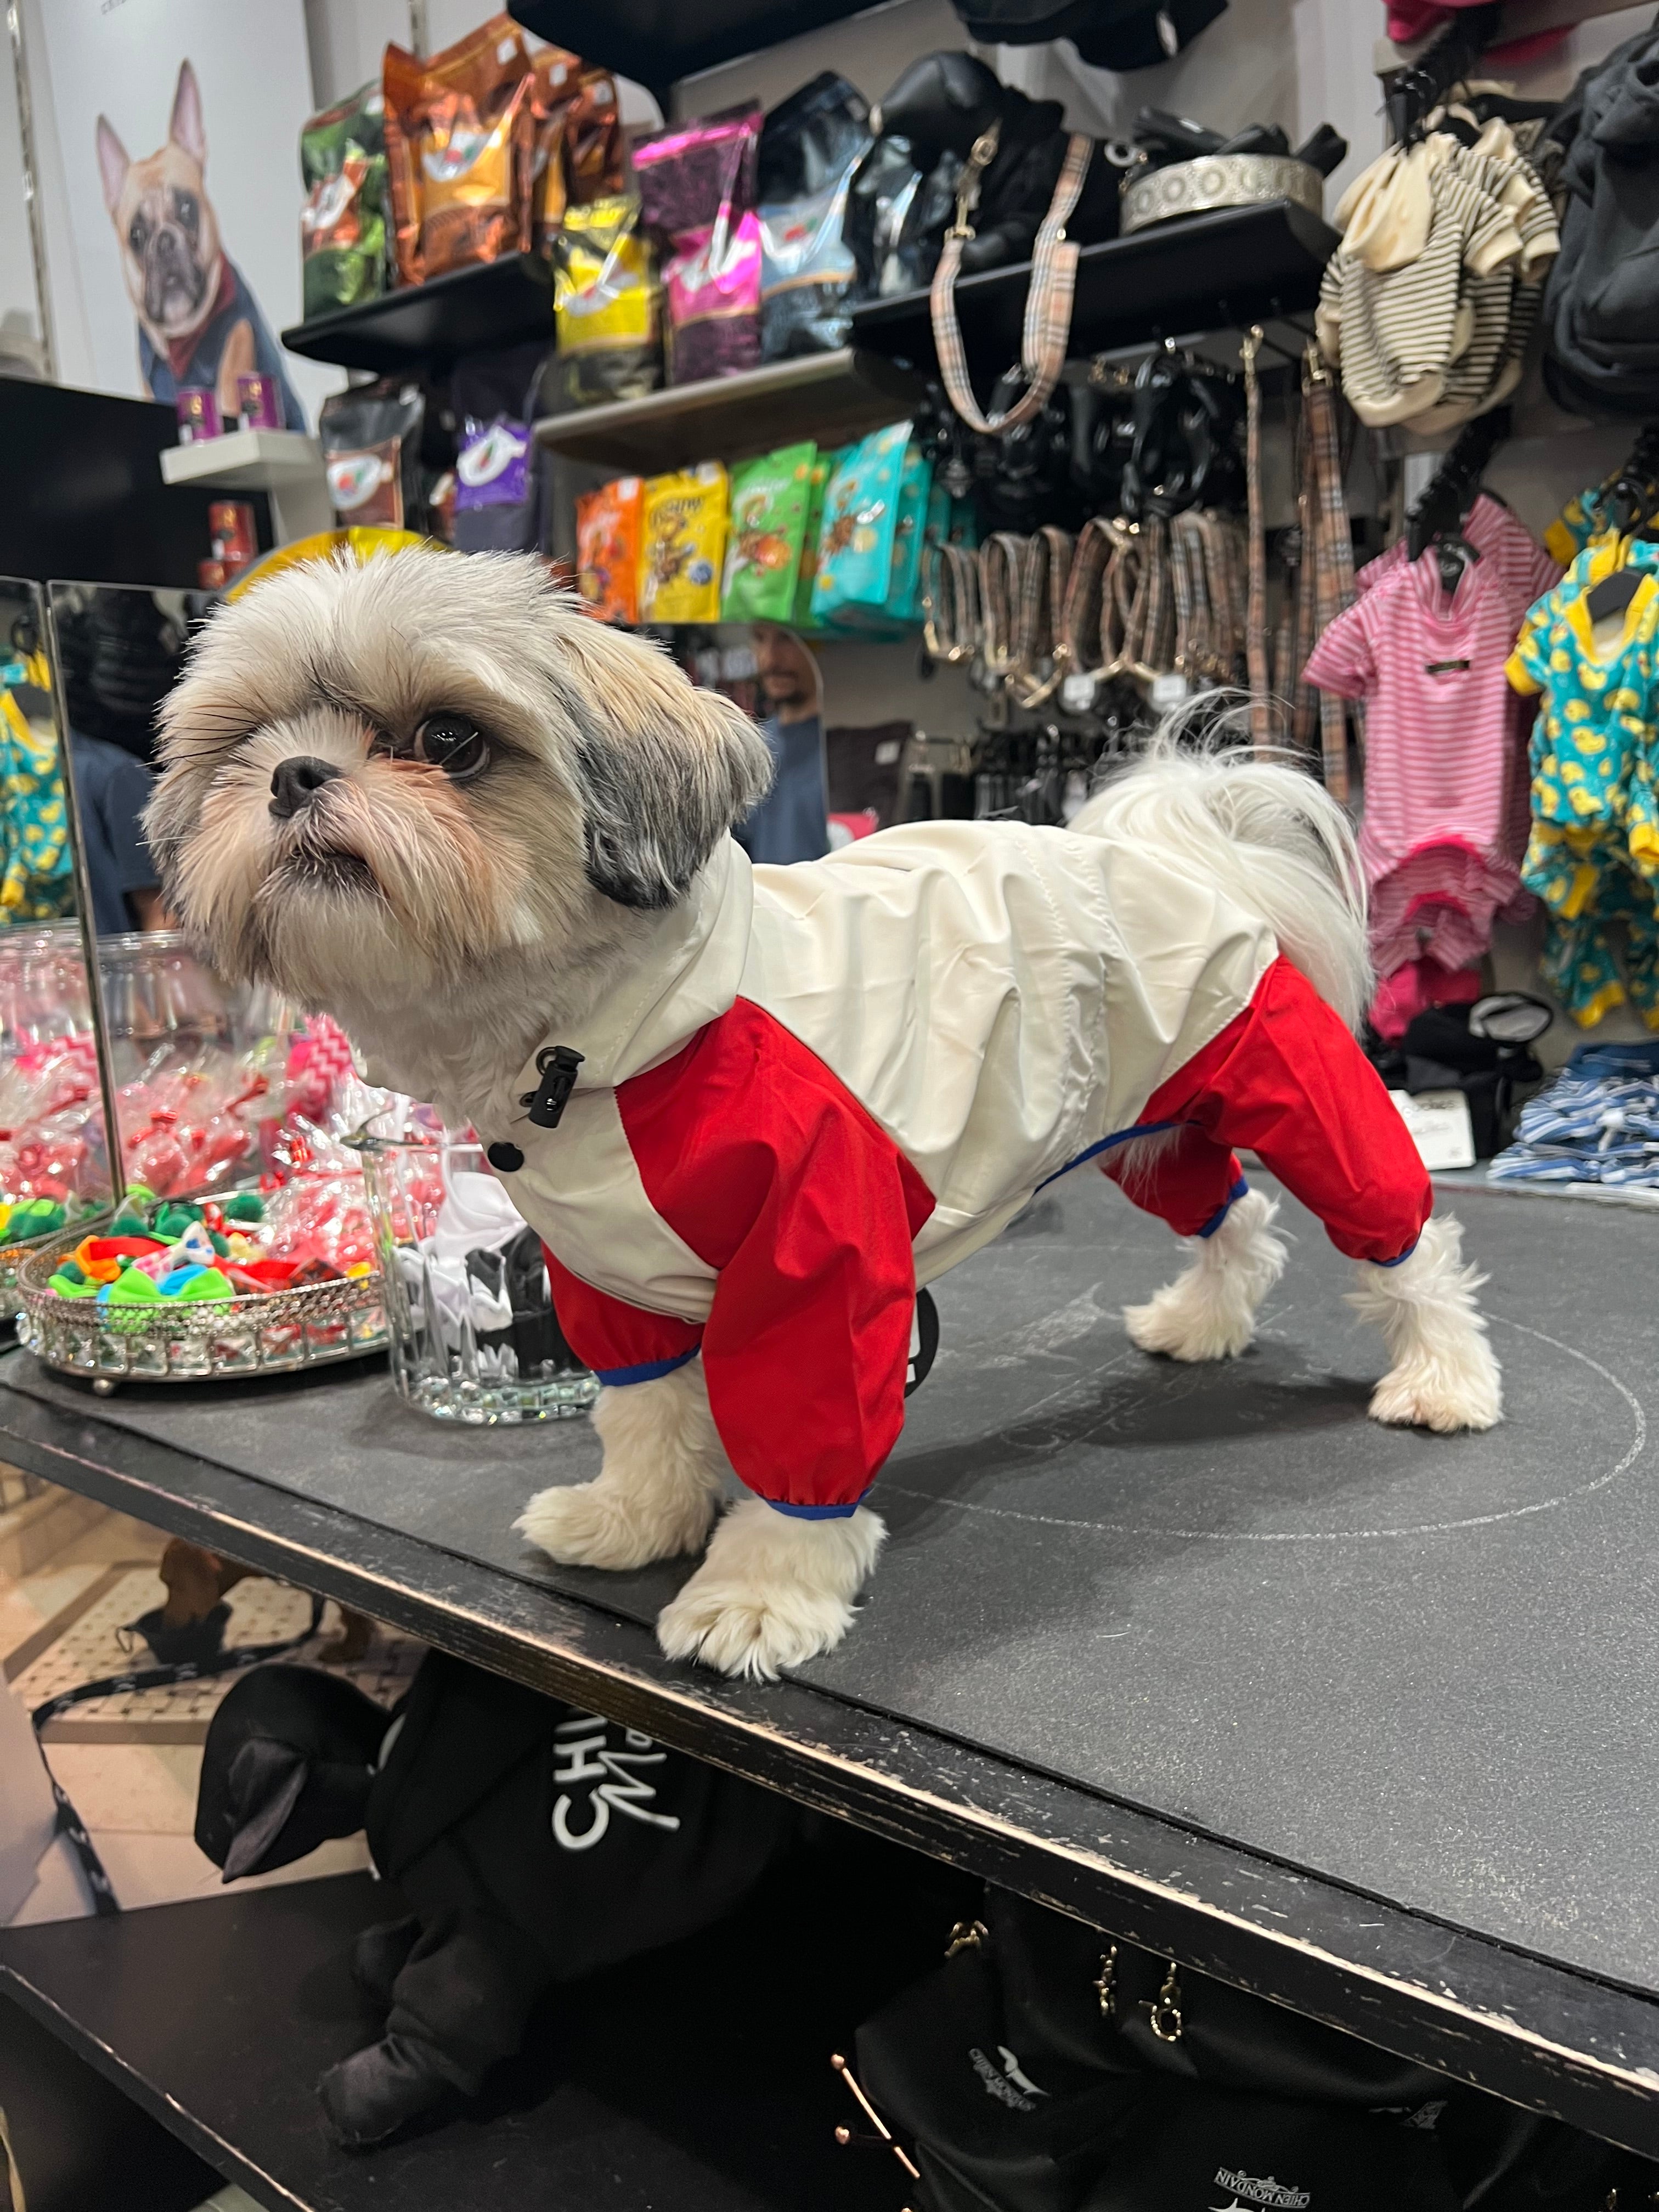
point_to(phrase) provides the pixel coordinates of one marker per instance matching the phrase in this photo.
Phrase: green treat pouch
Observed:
(861, 523)
(343, 160)
(244, 1205)
(769, 501)
(801, 614)
(901, 611)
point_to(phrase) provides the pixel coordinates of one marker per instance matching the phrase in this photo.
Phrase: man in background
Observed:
(790, 822)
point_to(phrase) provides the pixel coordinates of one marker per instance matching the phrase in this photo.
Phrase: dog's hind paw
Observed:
(599, 1524)
(1420, 1396)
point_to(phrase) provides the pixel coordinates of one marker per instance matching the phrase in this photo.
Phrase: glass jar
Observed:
(474, 1335)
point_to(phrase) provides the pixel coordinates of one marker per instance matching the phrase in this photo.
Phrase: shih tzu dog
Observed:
(751, 1109)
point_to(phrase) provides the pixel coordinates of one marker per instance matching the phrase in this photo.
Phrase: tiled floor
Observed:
(129, 1763)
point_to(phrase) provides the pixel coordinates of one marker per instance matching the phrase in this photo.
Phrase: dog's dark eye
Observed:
(184, 204)
(138, 236)
(453, 743)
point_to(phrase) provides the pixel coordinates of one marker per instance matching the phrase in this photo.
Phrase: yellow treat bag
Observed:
(683, 545)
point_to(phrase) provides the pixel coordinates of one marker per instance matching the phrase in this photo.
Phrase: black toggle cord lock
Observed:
(558, 1064)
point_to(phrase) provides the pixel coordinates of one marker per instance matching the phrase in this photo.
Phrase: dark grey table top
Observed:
(1421, 1669)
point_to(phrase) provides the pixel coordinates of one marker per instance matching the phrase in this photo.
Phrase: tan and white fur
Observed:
(452, 922)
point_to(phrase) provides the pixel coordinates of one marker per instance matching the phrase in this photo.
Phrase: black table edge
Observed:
(1541, 2033)
(124, 2075)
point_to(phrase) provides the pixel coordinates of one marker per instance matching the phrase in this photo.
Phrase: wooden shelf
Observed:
(425, 326)
(831, 397)
(696, 2077)
(1219, 270)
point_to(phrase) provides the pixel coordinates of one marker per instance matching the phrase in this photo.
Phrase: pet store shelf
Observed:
(218, 2016)
(831, 397)
(425, 326)
(283, 464)
(1219, 270)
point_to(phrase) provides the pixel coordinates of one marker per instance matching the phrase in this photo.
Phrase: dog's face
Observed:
(381, 779)
(164, 221)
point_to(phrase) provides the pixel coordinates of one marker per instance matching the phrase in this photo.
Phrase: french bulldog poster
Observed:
(199, 325)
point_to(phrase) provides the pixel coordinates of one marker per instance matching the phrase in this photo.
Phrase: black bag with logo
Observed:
(1045, 2068)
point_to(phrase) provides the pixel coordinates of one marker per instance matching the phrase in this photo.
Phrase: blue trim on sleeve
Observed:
(648, 1371)
(1404, 1257)
(1117, 1137)
(816, 1513)
(1240, 1190)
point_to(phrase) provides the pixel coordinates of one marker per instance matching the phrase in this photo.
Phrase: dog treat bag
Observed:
(371, 442)
(456, 127)
(594, 167)
(769, 500)
(860, 522)
(683, 545)
(608, 525)
(605, 306)
(342, 243)
(696, 189)
(809, 146)
(824, 467)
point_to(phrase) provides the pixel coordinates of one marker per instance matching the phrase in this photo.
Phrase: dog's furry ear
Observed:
(186, 129)
(112, 164)
(663, 768)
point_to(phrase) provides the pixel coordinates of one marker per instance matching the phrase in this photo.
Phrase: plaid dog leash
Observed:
(1255, 619)
(1043, 598)
(1048, 327)
(165, 1677)
(1332, 551)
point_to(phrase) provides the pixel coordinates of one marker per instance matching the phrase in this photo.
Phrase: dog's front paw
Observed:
(1181, 1323)
(1418, 1395)
(774, 1591)
(751, 1631)
(599, 1524)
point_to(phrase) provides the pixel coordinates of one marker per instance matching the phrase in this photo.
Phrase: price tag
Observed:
(1168, 691)
(1440, 1127)
(1076, 694)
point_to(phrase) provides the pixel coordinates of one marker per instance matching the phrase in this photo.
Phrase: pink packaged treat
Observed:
(697, 195)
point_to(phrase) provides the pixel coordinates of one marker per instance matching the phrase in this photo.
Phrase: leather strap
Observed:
(1048, 327)
(1333, 553)
(1255, 619)
(1048, 567)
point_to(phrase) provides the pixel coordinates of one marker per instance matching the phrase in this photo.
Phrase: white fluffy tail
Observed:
(1266, 834)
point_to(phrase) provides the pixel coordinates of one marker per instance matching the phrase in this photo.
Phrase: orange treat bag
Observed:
(457, 126)
(608, 523)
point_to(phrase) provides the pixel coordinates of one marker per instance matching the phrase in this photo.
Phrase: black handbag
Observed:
(1046, 2068)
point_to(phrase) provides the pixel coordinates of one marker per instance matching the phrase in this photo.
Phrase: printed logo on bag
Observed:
(444, 160)
(355, 478)
(490, 453)
(583, 1752)
(1008, 2083)
(1252, 2190)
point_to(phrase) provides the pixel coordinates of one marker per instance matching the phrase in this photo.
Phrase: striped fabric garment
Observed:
(1597, 1123)
(1442, 755)
(1427, 305)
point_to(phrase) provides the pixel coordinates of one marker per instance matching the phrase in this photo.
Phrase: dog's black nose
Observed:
(295, 780)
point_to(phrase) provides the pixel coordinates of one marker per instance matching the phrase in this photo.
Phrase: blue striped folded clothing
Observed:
(1597, 1123)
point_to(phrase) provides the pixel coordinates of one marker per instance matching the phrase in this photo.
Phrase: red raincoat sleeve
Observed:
(762, 1162)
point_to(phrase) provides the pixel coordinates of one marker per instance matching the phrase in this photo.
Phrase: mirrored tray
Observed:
(222, 1341)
